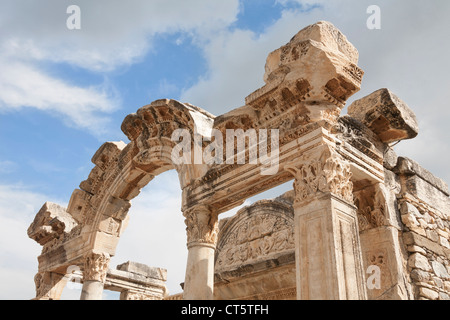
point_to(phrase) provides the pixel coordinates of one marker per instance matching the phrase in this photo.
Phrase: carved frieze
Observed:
(255, 233)
(132, 295)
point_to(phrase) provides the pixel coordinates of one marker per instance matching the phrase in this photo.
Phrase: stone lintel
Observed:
(144, 270)
(386, 115)
(410, 167)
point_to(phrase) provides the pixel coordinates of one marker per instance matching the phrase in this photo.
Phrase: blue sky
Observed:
(63, 93)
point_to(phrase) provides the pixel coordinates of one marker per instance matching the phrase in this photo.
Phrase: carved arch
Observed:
(121, 171)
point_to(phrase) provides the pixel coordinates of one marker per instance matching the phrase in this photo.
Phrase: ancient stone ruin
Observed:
(360, 222)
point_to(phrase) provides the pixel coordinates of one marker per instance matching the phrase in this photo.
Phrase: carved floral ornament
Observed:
(202, 226)
(96, 266)
(326, 173)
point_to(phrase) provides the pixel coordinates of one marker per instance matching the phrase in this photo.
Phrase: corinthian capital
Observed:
(321, 171)
(202, 225)
(96, 266)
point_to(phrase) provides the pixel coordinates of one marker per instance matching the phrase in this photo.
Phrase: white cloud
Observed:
(22, 85)
(113, 34)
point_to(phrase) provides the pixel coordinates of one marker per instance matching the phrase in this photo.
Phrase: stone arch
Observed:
(121, 170)
(101, 204)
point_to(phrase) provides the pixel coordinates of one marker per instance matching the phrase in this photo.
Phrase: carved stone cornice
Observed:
(96, 266)
(321, 172)
(202, 226)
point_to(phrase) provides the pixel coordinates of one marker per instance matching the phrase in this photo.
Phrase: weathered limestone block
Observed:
(137, 281)
(386, 115)
(381, 248)
(411, 238)
(50, 222)
(440, 270)
(419, 261)
(316, 69)
(323, 56)
(142, 269)
(358, 135)
(428, 293)
(49, 285)
(78, 202)
(390, 158)
(107, 153)
(409, 167)
(117, 208)
(427, 193)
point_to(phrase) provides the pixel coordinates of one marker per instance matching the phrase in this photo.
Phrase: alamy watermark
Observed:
(374, 279)
(374, 20)
(73, 22)
(250, 142)
(73, 277)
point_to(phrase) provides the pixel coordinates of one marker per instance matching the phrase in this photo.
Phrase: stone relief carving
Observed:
(202, 225)
(327, 173)
(371, 204)
(249, 238)
(130, 295)
(96, 266)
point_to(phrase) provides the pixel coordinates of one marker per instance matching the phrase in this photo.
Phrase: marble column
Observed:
(202, 230)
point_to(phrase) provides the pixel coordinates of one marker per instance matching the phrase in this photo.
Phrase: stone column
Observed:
(49, 285)
(328, 252)
(94, 275)
(202, 230)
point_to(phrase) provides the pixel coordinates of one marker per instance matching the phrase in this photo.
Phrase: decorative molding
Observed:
(134, 295)
(261, 230)
(96, 266)
(324, 173)
(371, 204)
(202, 226)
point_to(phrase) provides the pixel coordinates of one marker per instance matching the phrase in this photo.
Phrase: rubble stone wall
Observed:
(425, 212)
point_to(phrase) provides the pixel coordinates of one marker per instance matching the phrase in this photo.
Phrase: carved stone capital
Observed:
(96, 266)
(202, 226)
(323, 171)
(371, 204)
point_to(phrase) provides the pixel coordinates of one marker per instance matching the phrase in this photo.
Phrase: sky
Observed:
(64, 92)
